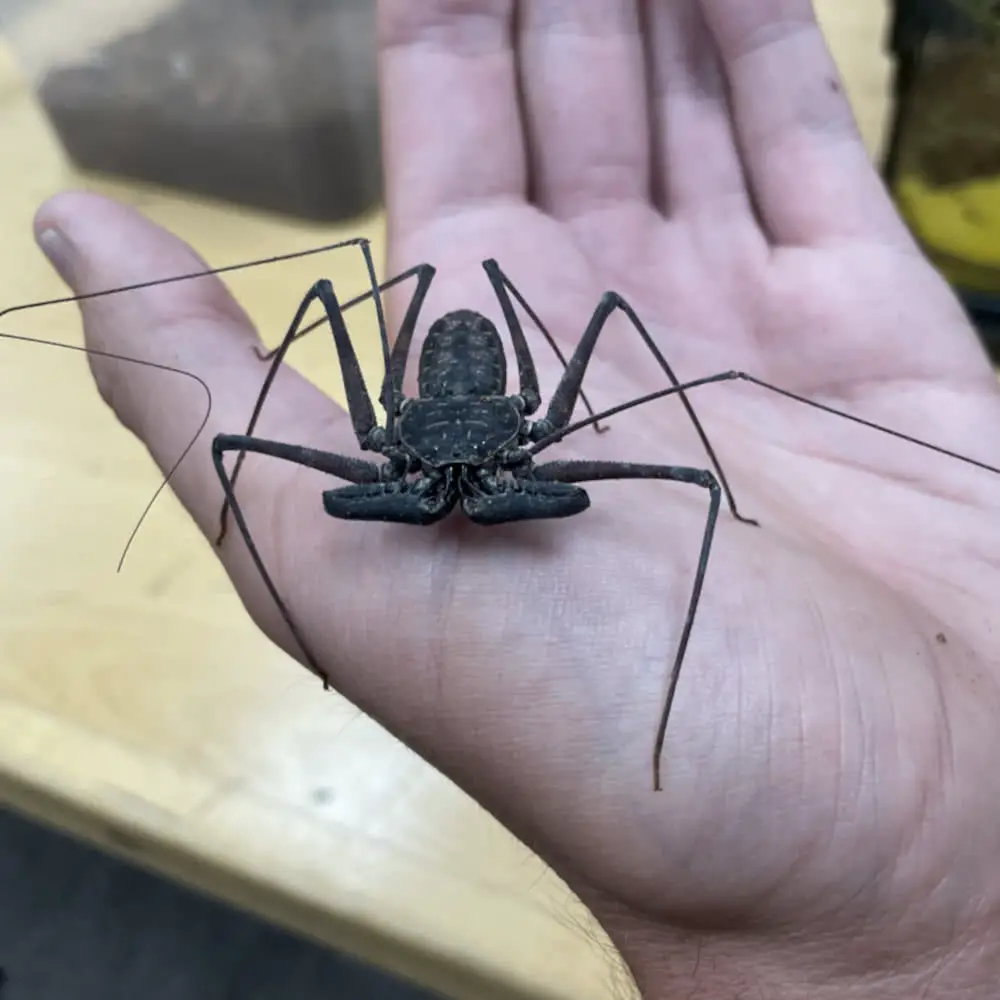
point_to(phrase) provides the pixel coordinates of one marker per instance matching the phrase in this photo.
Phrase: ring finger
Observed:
(583, 78)
(696, 162)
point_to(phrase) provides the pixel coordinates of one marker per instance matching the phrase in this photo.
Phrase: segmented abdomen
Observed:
(462, 356)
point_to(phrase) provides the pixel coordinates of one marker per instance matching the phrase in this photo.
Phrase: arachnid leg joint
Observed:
(528, 401)
(541, 429)
(374, 440)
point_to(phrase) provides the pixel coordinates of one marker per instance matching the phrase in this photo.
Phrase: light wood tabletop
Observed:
(142, 710)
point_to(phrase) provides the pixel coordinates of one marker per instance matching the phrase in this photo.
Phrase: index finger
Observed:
(197, 327)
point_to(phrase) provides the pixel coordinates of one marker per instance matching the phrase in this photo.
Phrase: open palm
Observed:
(834, 730)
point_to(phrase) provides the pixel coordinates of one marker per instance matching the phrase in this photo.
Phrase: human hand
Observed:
(828, 823)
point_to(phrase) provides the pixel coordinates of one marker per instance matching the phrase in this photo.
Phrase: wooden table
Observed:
(142, 710)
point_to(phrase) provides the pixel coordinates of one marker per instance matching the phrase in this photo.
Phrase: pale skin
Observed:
(830, 820)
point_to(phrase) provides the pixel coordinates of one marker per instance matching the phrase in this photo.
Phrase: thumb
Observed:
(194, 325)
(102, 248)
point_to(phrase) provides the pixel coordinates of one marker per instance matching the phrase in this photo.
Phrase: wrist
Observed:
(669, 962)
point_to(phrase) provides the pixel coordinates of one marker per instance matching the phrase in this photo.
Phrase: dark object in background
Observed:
(943, 158)
(985, 313)
(77, 924)
(270, 105)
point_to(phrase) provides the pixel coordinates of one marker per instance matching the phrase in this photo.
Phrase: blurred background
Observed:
(274, 106)
(942, 156)
(268, 105)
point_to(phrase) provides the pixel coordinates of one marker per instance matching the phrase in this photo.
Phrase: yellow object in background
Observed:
(958, 226)
(943, 158)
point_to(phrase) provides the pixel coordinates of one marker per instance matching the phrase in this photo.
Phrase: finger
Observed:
(810, 173)
(696, 161)
(451, 123)
(583, 78)
(195, 326)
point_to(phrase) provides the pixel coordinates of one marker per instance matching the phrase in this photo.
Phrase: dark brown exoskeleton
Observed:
(463, 438)
(463, 441)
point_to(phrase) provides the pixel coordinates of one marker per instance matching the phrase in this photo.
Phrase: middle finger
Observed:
(584, 92)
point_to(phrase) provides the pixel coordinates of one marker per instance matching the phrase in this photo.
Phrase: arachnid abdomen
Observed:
(459, 430)
(462, 356)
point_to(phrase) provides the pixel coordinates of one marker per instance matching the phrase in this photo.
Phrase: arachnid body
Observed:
(462, 441)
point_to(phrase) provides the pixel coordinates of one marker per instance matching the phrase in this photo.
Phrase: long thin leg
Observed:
(583, 472)
(350, 304)
(354, 470)
(358, 400)
(731, 376)
(501, 285)
(526, 373)
(504, 288)
(391, 393)
(392, 384)
(207, 272)
(94, 352)
(346, 467)
(565, 396)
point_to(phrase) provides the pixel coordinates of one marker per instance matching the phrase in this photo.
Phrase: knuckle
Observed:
(460, 27)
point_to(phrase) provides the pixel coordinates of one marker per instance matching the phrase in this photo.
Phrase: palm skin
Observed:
(828, 815)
